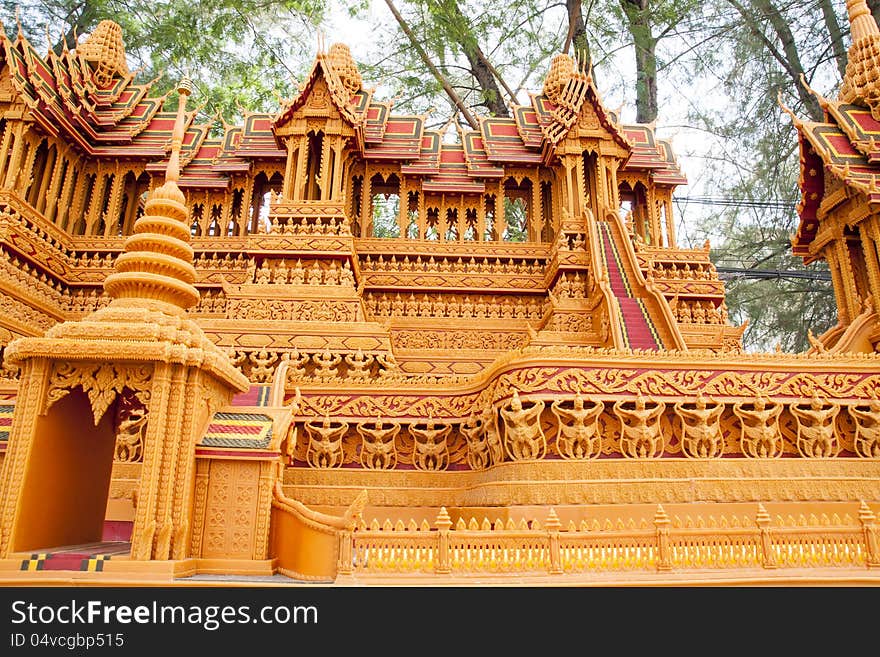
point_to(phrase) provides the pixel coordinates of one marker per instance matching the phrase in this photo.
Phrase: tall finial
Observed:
(18, 22)
(157, 264)
(184, 89)
(861, 21)
(861, 80)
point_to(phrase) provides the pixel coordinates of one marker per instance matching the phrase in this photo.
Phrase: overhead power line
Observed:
(775, 204)
(728, 273)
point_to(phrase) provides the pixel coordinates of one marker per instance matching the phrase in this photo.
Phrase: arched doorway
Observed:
(67, 480)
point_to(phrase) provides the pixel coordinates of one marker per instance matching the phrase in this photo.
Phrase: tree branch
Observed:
(454, 97)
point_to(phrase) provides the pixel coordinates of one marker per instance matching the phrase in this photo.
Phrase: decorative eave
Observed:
(671, 174)
(453, 173)
(376, 121)
(503, 143)
(137, 335)
(860, 127)
(527, 125)
(62, 99)
(428, 162)
(195, 135)
(226, 161)
(401, 139)
(476, 158)
(827, 150)
(652, 155)
(258, 139)
(352, 107)
(812, 185)
(556, 120)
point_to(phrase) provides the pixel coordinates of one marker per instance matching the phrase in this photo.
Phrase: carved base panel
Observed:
(124, 483)
(436, 336)
(300, 335)
(549, 338)
(438, 365)
(604, 481)
(710, 336)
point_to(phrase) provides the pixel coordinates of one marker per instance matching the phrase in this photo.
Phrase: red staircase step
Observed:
(635, 325)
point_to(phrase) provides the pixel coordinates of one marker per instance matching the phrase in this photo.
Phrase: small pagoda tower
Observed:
(143, 346)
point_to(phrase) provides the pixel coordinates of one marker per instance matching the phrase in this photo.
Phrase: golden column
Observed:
(142, 343)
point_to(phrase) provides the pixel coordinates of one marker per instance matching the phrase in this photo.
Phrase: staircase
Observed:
(638, 330)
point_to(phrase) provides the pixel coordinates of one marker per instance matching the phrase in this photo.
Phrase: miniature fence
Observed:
(659, 546)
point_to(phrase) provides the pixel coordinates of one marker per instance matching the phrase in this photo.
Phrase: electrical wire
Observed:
(728, 273)
(777, 204)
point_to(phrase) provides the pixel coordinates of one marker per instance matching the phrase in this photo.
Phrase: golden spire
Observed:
(562, 67)
(105, 51)
(861, 81)
(862, 23)
(157, 264)
(346, 68)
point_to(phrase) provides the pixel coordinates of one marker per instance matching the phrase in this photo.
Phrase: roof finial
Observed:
(862, 23)
(445, 126)
(794, 119)
(861, 80)
(157, 264)
(18, 22)
(823, 102)
(184, 89)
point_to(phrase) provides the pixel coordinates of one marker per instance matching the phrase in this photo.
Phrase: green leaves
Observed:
(240, 53)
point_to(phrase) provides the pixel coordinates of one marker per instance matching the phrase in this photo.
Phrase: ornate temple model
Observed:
(332, 342)
(839, 185)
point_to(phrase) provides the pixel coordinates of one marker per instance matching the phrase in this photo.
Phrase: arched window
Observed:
(470, 222)
(235, 212)
(490, 234)
(262, 197)
(41, 163)
(432, 224)
(452, 231)
(195, 228)
(517, 220)
(517, 210)
(79, 225)
(412, 215)
(385, 206)
(312, 190)
(547, 231)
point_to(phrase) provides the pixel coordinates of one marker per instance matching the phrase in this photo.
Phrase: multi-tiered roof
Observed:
(89, 97)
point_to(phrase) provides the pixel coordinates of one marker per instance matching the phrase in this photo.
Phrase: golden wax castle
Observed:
(334, 344)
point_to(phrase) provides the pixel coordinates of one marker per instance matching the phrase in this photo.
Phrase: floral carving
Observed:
(102, 383)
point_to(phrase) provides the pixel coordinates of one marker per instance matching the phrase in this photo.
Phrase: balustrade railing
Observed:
(528, 547)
